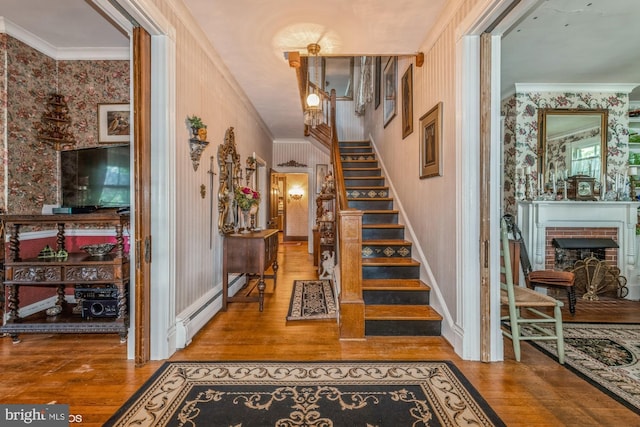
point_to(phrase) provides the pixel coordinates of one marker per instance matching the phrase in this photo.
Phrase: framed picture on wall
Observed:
(321, 173)
(390, 79)
(431, 143)
(407, 102)
(376, 82)
(113, 123)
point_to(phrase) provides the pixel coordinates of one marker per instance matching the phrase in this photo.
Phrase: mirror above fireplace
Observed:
(572, 142)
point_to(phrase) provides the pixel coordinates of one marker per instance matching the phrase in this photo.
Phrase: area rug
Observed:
(606, 355)
(312, 299)
(314, 394)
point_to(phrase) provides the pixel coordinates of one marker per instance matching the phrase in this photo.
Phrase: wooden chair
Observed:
(524, 304)
(543, 278)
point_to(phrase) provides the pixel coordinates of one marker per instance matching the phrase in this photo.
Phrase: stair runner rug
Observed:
(313, 394)
(606, 355)
(312, 299)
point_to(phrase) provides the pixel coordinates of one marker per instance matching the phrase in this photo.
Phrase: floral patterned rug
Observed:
(313, 394)
(606, 355)
(312, 299)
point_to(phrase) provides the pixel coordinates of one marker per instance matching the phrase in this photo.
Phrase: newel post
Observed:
(351, 302)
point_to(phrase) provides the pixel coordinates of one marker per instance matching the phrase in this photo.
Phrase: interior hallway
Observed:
(90, 373)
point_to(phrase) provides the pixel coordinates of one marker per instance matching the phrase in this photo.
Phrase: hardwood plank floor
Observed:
(91, 374)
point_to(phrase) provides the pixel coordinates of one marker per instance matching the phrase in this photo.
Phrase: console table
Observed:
(76, 269)
(251, 253)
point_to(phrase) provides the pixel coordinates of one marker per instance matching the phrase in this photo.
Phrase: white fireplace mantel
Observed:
(534, 217)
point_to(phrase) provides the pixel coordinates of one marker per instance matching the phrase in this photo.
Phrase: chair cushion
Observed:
(552, 278)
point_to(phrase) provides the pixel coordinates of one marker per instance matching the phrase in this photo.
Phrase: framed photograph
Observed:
(431, 143)
(321, 173)
(407, 102)
(390, 78)
(113, 123)
(376, 82)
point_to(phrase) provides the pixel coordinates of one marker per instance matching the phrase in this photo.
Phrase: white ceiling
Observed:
(561, 41)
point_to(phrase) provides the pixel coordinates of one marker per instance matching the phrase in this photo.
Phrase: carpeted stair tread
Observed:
(366, 187)
(394, 284)
(380, 211)
(400, 312)
(362, 178)
(389, 262)
(360, 169)
(359, 199)
(386, 242)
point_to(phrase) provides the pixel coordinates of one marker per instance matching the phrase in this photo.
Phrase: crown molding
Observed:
(30, 39)
(576, 87)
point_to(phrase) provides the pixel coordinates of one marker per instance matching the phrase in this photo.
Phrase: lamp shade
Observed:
(313, 100)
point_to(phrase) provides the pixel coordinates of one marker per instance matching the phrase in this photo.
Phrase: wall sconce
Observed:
(296, 193)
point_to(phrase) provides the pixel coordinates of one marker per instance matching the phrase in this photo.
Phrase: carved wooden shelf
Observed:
(76, 269)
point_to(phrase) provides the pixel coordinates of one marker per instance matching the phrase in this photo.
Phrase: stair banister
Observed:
(349, 250)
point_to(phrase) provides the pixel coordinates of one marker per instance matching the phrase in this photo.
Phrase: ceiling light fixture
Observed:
(313, 110)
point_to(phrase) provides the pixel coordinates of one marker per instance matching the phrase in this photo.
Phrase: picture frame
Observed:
(321, 172)
(114, 125)
(407, 102)
(376, 81)
(431, 143)
(390, 79)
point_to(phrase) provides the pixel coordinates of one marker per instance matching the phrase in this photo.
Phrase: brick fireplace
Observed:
(608, 254)
(542, 221)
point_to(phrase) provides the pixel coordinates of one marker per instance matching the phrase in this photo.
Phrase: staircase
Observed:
(396, 300)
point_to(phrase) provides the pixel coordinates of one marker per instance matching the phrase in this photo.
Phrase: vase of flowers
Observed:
(246, 198)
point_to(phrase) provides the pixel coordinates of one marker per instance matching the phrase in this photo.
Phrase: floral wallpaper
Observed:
(520, 140)
(31, 166)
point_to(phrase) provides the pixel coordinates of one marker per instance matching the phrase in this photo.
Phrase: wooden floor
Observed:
(91, 374)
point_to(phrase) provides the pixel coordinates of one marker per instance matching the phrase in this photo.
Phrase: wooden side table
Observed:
(253, 254)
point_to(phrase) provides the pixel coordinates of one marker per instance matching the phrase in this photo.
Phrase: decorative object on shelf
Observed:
(431, 143)
(250, 169)
(581, 187)
(114, 123)
(54, 129)
(321, 173)
(198, 141)
(99, 249)
(53, 311)
(292, 164)
(246, 198)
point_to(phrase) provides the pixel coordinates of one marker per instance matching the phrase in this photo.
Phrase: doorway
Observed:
(290, 204)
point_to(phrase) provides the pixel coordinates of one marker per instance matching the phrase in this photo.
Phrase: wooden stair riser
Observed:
(380, 218)
(367, 193)
(390, 272)
(364, 181)
(395, 297)
(370, 204)
(360, 164)
(348, 173)
(386, 251)
(404, 328)
(349, 157)
(382, 233)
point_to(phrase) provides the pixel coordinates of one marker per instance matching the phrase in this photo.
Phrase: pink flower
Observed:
(246, 190)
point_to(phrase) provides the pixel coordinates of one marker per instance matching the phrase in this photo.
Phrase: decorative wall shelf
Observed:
(55, 124)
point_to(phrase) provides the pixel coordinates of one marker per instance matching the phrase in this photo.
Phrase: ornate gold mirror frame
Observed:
(572, 142)
(230, 176)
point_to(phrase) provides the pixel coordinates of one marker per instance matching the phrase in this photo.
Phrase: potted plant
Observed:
(198, 128)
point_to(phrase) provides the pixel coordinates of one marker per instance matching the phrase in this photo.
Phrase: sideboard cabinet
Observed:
(105, 276)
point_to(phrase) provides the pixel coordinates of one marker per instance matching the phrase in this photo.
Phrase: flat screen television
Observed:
(96, 177)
